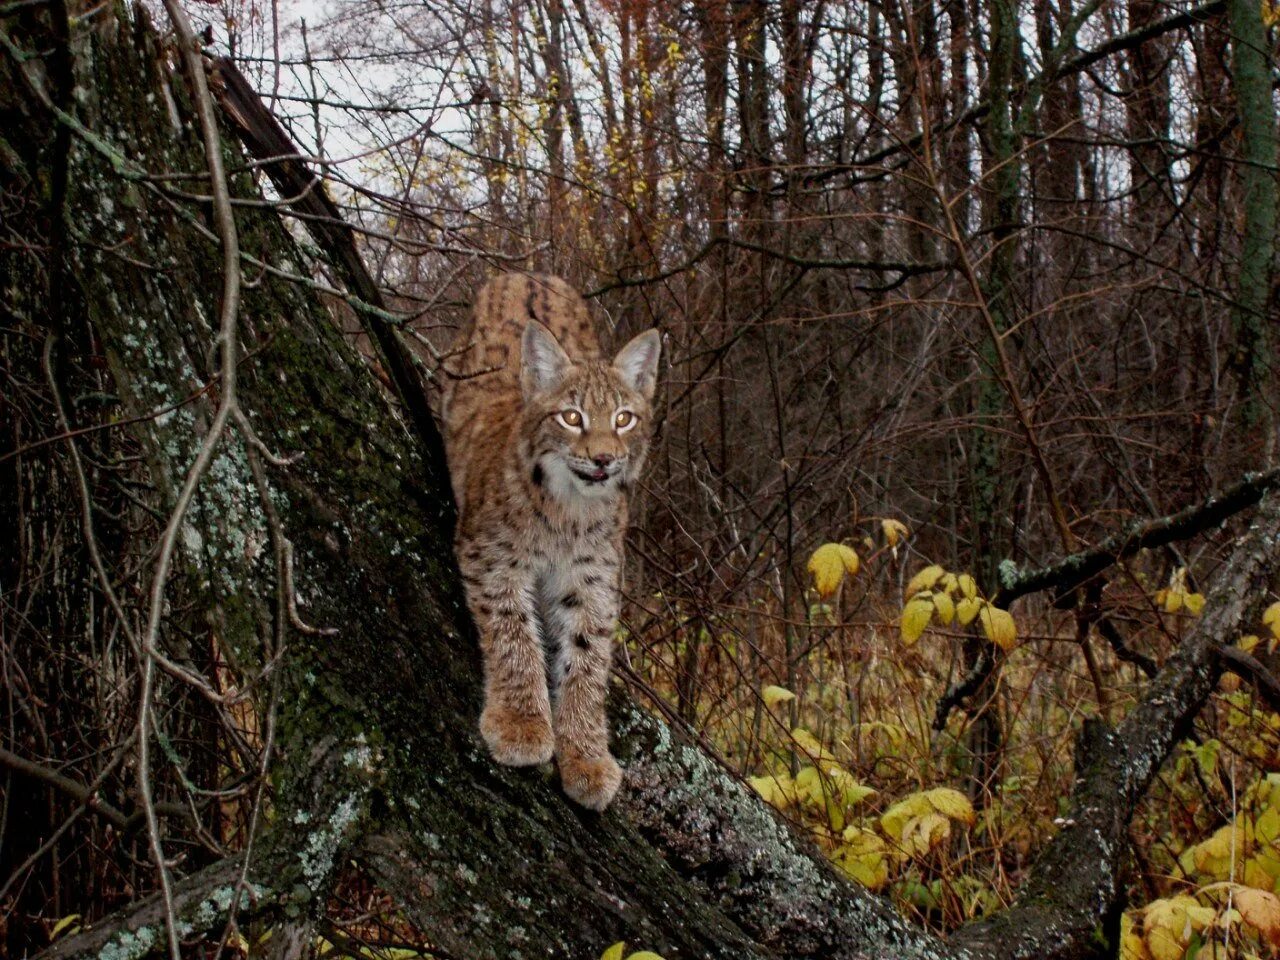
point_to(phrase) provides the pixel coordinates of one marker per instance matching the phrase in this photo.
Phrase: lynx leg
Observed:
(582, 623)
(516, 721)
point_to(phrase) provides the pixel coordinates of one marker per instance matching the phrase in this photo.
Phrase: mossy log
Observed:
(378, 761)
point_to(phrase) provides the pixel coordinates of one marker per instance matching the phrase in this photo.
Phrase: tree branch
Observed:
(198, 901)
(1250, 668)
(1070, 572)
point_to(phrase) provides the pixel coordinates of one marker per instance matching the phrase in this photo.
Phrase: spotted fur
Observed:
(545, 440)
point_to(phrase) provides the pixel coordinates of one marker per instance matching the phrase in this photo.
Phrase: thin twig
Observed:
(225, 221)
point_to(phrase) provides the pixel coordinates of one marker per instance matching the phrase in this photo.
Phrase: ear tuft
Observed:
(543, 363)
(637, 362)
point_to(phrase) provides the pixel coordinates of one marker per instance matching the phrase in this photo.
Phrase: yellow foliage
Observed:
(915, 617)
(924, 580)
(922, 820)
(922, 834)
(1213, 858)
(894, 820)
(1176, 597)
(1271, 619)
(1132, 946)
(968, 586)
(894, 530)
(945, 607)
(809, 786)
(1261, 910)
(967, 609)
(849, 789)
(999, 627)
(808, 745)
(1266, 827)
(864, 856)
(1170, 601)
(774, 695)
(829, 563)
(832, 785)
(615, 953)
(1169, 923)
(778, 790)
(952, 803)
(61, 926)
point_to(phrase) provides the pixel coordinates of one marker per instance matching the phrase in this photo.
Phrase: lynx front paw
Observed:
(517, 739)
(590, 781)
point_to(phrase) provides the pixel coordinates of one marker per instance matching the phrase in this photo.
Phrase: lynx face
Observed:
(589, 422)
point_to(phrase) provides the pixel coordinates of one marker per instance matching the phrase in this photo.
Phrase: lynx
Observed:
(545, 440)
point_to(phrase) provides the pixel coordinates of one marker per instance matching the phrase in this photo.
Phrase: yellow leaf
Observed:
(777, 790)
(951, 803)
(922, 834)
(894, 530)
(809, 786)
(829, 564)
(915, 617)
(1167, 927)
(948, 583)
(774, 695)
(1271, 618)
(1261, 910)
(1170, 600)
(968, 586)
(1214, 857)
(615, 951)
(864, 857)
(1249, 642)
(850, 790)
(644, 955)
(925, 579)
(810, 746)
(1267, 827)
(1194, 602)
(62, 925)
(999, 627)
(946, 608)
(1131, 945)
(967, 609)
(1255, 872)
(1270, 13)
(894, 820)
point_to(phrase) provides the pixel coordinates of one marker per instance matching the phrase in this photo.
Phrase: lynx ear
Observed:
(637, 362)
(543, 363)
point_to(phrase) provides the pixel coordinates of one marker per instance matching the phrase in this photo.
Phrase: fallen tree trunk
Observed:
(377, 760)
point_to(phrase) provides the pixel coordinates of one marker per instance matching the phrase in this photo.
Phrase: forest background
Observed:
(963, 288)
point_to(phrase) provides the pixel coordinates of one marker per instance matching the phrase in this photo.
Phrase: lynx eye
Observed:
(571, 418)
(624, 419)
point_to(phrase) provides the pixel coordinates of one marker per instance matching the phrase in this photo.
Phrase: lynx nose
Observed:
(602, 459)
